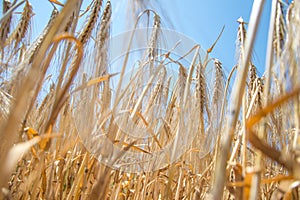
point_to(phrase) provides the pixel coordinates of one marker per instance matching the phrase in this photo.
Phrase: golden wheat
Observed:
(45, 124)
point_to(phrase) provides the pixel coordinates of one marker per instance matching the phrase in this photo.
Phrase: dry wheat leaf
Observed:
(18, 151)
(56, 2)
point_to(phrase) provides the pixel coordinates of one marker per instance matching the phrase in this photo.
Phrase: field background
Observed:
(57, 103)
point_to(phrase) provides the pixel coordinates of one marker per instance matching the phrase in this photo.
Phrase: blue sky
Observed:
(203, 21)
(198, 19)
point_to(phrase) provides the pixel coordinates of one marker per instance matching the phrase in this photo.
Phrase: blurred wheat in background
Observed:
(155, 124)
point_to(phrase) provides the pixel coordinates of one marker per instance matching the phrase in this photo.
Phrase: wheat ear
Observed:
(154, 37)
(5, 26)
(280, 31)
(104, 25)
(252, 78)
(102, 37)
(36, 44)
(218, 86)
(87, 30)
(19, 33)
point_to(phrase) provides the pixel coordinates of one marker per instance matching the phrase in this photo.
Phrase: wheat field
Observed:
(154, 124)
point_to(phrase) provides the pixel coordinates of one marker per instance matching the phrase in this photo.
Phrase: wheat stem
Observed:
(236, 102)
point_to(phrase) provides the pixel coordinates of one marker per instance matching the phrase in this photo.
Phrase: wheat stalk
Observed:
(29, 55)
(237, 99)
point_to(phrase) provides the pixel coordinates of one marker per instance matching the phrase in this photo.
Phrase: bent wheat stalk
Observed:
(59, 100)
